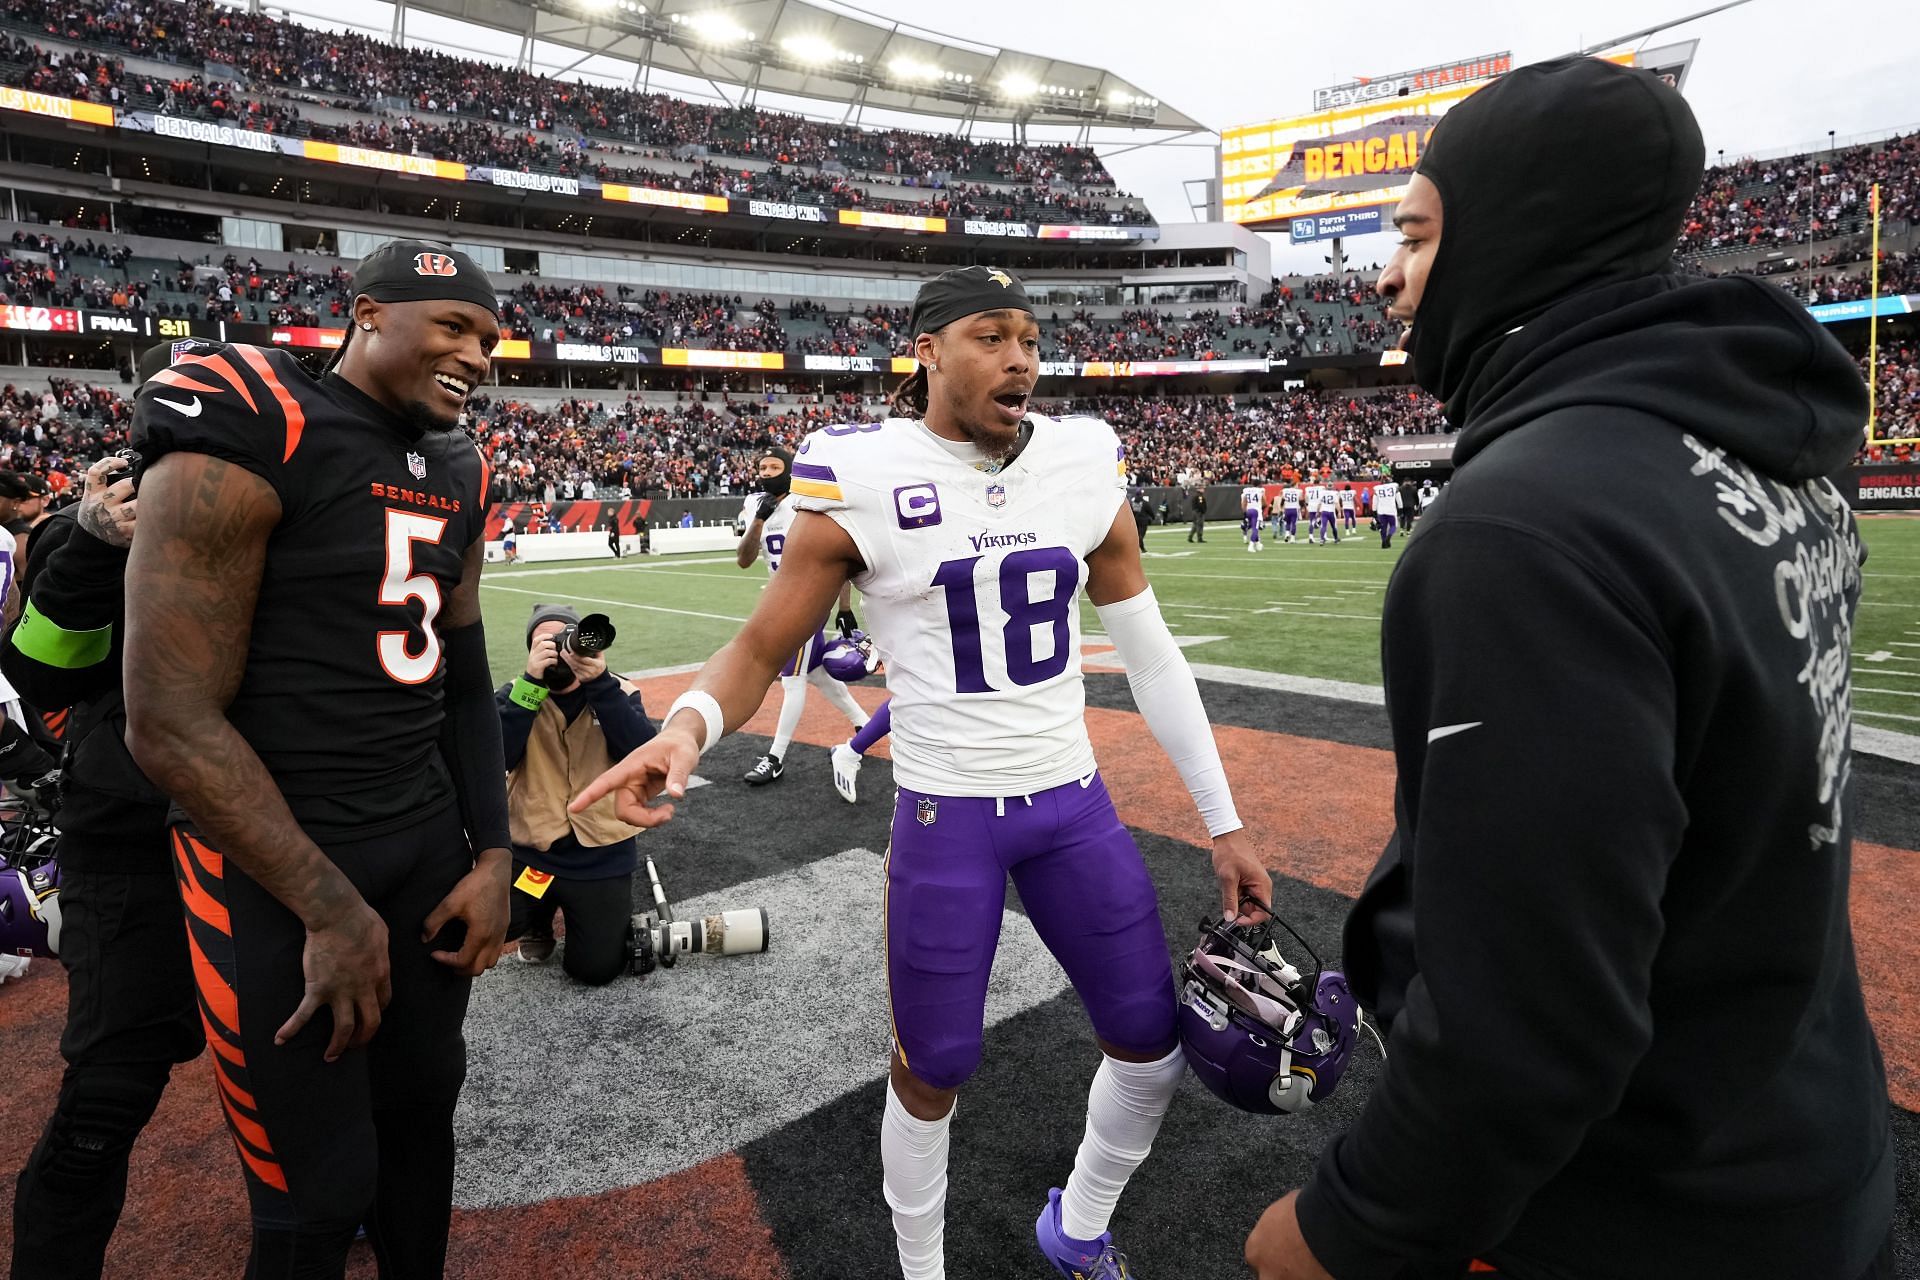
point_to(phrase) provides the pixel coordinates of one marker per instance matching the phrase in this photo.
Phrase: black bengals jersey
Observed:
(341, 697)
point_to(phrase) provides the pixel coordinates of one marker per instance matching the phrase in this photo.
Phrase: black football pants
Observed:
(599, 914)
(367, 1140)
(130, 1017)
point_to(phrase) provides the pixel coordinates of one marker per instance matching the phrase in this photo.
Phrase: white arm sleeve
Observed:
(1169, 699)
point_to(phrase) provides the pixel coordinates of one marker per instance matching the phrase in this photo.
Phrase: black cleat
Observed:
(767, 768)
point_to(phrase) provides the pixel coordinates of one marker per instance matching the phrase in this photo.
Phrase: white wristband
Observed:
(707, 708)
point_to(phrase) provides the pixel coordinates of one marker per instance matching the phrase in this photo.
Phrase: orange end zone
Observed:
(708, 1216)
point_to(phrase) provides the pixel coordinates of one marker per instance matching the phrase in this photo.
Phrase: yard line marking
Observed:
(1904, 747)
(664, 566)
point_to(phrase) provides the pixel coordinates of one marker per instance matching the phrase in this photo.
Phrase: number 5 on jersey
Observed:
(399, 585)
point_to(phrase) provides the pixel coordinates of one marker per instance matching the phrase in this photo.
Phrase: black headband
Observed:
(954, 295)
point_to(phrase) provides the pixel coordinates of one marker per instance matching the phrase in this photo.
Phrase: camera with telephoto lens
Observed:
(591, 636)
(655, 939)
(657, 943)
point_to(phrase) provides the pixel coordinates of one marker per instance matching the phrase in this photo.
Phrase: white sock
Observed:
(793, 701)
(913, 1160)
(837, 694)
(1124, 1110)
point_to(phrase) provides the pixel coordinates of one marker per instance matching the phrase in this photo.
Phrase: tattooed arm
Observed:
(192, 582)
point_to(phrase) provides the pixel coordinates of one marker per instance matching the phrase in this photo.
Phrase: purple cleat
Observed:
(1078, 1259)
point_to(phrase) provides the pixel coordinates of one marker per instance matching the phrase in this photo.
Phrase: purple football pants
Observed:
(807, 656)
(1293, 522)
(1084, 886)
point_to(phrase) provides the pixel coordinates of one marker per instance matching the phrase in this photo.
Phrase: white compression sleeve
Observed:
(1164, 688)
(836, 694)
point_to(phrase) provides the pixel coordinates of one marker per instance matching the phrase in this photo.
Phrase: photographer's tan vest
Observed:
(561, 760)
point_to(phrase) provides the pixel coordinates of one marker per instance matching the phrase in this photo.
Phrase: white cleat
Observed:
(846, 772)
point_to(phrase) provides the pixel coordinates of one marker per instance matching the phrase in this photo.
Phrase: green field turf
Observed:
(1293, 608)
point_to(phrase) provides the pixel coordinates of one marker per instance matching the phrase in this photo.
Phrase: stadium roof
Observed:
(826, 51)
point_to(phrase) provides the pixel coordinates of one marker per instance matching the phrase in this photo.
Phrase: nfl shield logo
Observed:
(928, 811)
(996, 495)
(417, 465)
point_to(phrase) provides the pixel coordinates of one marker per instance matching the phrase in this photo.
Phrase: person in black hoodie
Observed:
(131, 1010)
(1610, 936)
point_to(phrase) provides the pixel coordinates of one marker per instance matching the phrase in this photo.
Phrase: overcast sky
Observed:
(1768, 76)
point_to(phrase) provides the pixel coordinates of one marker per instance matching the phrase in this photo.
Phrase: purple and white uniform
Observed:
(1251, 500)
(773, 542)
(972, 585)
(1290, 509)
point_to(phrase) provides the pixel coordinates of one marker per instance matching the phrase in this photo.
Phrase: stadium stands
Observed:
(501, 113)
(1754, 203)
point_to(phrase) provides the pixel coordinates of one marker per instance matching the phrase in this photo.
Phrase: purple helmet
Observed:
(850, 657)
(30, 910)
(1259, 1034)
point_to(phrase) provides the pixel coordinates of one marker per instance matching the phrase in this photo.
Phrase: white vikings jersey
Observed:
(1290, 499)
(1346, 499)
(1251, 498)
(773, 534)
(972, 586)
(1386, 499)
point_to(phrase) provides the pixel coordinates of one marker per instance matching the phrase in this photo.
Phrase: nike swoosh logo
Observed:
(1448, 730)
(191, 408)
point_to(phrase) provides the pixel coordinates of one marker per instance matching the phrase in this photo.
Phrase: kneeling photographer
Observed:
(565, 720)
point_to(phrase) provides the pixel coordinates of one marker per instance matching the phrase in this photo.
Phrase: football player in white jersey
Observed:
(1251, 499)
(1349, 513)
(1290, 510)
(971, 527)
(770, 516)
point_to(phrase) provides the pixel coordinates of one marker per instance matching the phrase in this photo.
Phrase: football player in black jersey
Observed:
(307, 678)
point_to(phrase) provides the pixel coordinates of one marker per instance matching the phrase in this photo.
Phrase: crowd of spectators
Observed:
(1179, 441)
(639, 447)
(1763, 203)
(1282, 331)
(57, 432)
(1897, 397)
(359, 72)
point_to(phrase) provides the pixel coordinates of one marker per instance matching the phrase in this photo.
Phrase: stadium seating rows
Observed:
(1296, 317)
(358, 72)
(1762, 203)
(634, 445)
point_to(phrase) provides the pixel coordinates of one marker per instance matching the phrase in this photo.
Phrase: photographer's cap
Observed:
(550, 613)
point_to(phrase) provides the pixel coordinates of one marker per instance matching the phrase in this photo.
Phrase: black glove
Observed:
(847, 623)
(769, 503)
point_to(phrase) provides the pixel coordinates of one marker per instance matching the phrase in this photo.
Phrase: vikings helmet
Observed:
(1258, 1033)
(30, 910)
(850, 657)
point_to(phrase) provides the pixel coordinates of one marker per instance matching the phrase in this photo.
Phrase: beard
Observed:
(423, 419)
